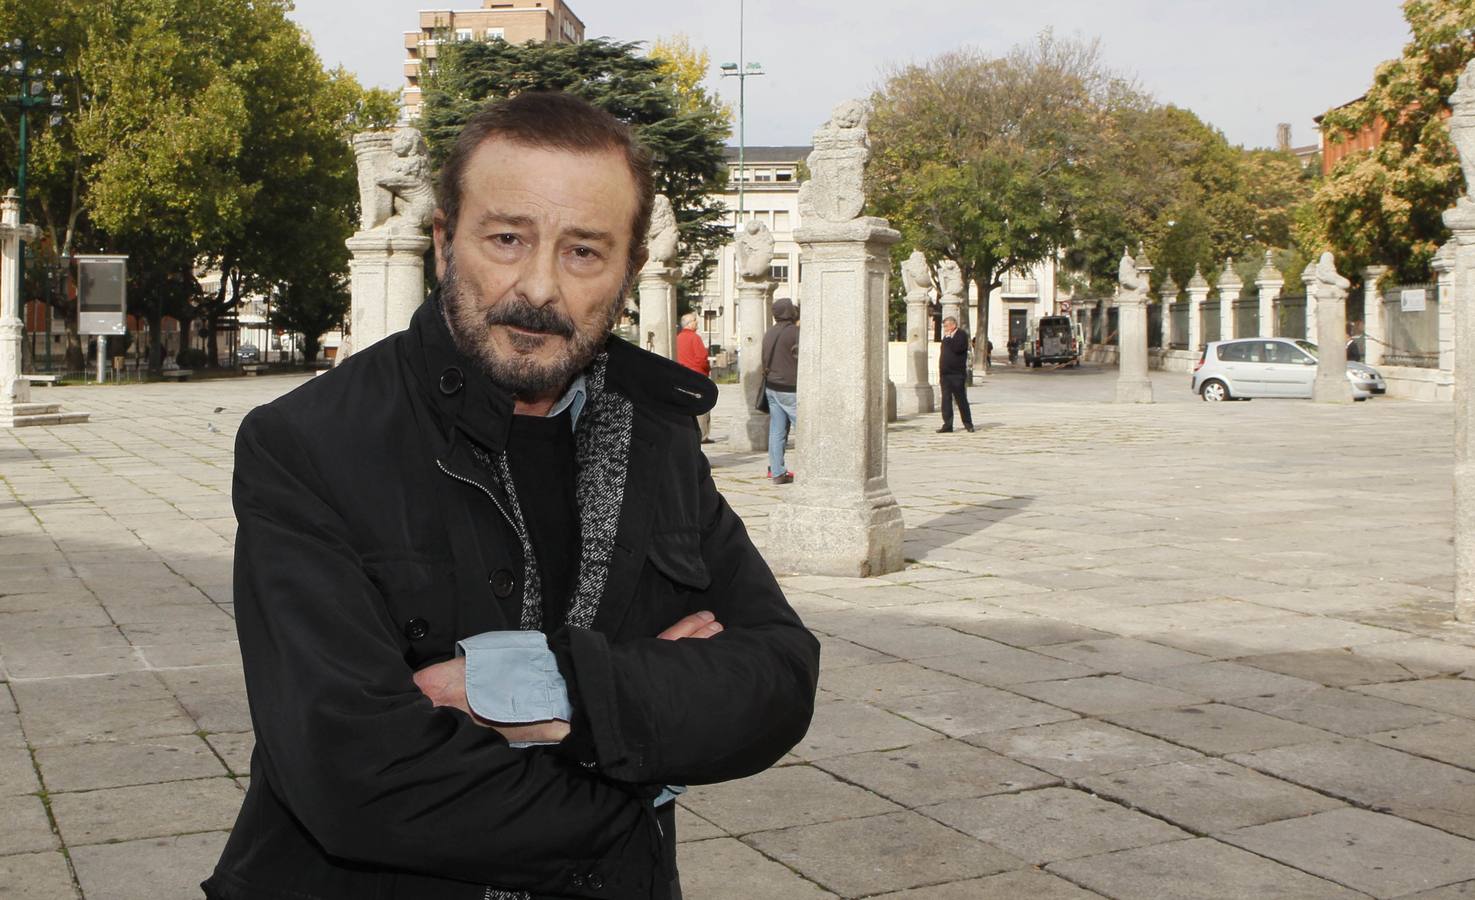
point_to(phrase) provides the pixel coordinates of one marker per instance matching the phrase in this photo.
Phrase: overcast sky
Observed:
(1241, 66)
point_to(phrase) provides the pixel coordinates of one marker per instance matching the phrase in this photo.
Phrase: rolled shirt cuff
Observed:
(513, 678)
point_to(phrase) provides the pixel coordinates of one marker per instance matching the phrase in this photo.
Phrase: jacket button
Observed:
(502, 583)
(451, 381)
(416, 628)
(595, 882)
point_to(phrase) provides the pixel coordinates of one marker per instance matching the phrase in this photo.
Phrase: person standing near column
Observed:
(953, 375)
(692, 353)
(781, 384)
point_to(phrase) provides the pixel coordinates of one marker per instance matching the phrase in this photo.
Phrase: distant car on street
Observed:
(1054, 341)
(246, 354)
(1270, 367)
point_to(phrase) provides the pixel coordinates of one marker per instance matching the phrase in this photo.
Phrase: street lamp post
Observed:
(742, 70)
(32, 95)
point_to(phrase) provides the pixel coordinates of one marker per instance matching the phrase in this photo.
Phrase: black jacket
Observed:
(358, 561)
(954, 358)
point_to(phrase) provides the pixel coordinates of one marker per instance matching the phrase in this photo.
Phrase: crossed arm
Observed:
(445, 684)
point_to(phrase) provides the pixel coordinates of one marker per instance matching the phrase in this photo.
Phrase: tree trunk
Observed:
(156, 342)
(310, 347)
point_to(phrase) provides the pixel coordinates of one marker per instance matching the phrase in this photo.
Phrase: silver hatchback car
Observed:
(1270, 367)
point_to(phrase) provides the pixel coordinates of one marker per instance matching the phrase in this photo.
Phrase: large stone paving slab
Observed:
(1371, 775)
(860, 857)
(726, 869)
(1201, 869)
(762, 803)
(1218, 729)
(1082, 747)
(935, 771)
(1378, 854)
(1053, 824)
(1208, 796)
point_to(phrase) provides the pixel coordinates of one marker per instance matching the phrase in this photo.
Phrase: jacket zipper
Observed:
(484, 489)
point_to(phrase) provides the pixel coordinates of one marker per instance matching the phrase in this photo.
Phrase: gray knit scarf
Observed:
(602, 457)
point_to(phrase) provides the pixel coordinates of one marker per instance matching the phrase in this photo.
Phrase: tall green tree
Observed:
(1384, 207)
(686, 139)
(981, 160)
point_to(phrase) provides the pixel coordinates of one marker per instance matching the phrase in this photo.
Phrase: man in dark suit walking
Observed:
(953, 372)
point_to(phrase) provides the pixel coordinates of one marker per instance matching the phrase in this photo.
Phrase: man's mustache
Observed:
(540, 319)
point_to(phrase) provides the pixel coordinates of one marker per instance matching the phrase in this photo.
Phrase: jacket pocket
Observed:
(419, 598)
(678, 556)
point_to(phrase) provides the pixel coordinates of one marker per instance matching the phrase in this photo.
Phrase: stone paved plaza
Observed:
(1174, 651)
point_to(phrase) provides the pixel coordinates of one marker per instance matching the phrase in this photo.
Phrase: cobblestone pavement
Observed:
(1184, 650)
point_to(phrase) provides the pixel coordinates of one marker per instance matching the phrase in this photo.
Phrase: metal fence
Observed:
(1112, 318)
(1178, 316)
(1155, 325)
(1247, 317)
(1411, 320)
(1209, 321)
(1290, 316)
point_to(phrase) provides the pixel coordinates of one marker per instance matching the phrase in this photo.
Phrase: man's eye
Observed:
(586, 253)
(506, 240)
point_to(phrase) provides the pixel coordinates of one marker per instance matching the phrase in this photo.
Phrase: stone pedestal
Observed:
(1198, 292)
(1331, 385)
(1313, 329)
(16, 408)
(1443, 265)
(1230, 285)
(658, 309)
(914, 396)
(1167, 296)
(388, 276)
(754, 312)
(839, 517)
(1372, 316)
(1132, 384)
(1268, 282)
(1461, 221)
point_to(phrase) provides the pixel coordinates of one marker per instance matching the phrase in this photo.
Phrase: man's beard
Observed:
(519, 373)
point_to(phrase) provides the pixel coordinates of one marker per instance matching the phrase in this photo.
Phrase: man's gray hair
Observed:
(689, 321)
(952, 319)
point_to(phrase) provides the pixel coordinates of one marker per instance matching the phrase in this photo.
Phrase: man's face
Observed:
(538, 267)
(949, 327)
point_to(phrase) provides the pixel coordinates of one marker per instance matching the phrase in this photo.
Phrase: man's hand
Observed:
(445, 684)
(697, 625)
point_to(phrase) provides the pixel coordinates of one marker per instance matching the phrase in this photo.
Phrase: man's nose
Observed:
(538, 280)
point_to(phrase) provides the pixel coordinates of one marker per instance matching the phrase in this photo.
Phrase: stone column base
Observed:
(388, 283)
(1133, 391)
(1331, 389)
(749, 429)
(915, 399)
(890, 400)
(818, 536)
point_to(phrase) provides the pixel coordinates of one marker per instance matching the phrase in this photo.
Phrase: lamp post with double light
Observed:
(742, 70)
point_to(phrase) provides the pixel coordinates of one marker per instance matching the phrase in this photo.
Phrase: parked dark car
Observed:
(246, 354)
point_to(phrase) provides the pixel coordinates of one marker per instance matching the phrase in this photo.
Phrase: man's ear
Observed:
(438, 233)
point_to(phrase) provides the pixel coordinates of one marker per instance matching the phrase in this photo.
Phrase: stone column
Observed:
(839, 517)
(388, 276)
(1167, 295)
(1230, 285)
(1443, 265)
(1313, 331)
(953, 291)
(1132, 384)
(1372, 316)
(1198, 292)
(915, 395)
(396, 202)
(754, 308)
(658, 308)
(1268, 281)
(13, 389)
(1331, 385)
(1461, 221)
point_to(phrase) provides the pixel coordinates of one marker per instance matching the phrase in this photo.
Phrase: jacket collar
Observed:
(461, 394)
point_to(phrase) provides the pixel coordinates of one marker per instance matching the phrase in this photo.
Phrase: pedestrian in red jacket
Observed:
(692, 353)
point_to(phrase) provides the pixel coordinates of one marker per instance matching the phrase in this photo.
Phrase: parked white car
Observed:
(1270, 367)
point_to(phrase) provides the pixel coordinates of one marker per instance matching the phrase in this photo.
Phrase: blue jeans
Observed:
(783, 412)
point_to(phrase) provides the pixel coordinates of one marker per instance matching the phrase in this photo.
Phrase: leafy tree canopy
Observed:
(1384, 207)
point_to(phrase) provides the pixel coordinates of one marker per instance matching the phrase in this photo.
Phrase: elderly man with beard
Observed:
(492, 610)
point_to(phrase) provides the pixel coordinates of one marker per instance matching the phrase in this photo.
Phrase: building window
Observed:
(762, 176)
(496, 34)
(783, 176)
(781, 220)
(463, 34)
(779, 272)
